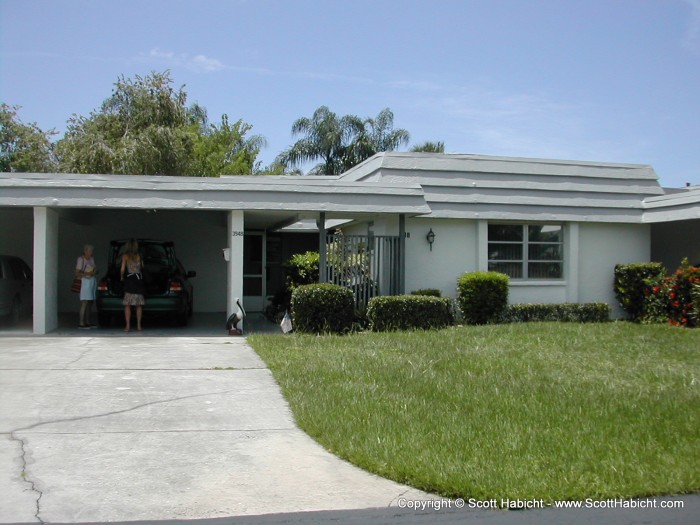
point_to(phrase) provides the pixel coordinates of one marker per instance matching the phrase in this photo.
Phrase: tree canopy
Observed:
(24, 147)
(146, 128)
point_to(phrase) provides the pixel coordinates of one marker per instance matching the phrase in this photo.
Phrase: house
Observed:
(556, 227)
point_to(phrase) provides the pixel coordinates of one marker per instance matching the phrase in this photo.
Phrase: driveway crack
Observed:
(23, 443)
(25, 475)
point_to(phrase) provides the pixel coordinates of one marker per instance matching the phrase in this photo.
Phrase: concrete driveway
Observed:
(143, 428)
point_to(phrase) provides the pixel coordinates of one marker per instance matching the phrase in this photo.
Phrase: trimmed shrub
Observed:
(567, 312)
(630, 286)
(482, 296)
(320, 308)
(406, 312)
(432, 292)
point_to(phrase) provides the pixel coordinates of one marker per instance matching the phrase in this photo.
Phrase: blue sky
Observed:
(599, 80)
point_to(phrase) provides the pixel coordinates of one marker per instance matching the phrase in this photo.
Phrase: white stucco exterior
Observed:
(608, 213)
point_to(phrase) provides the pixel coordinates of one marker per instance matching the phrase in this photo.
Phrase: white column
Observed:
(571, 261)
(482, 242)
(235, 264)
(45, 270)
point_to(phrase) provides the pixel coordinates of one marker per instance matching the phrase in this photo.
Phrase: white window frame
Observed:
(525, 243)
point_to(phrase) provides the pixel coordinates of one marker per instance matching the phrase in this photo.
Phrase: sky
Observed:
(593, 80)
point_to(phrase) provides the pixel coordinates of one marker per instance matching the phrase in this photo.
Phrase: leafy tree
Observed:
(146, 128)
(341, 142)
(224, 149)
(429, 147)
(24, 147)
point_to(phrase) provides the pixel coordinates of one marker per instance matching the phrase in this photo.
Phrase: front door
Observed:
(254, 271)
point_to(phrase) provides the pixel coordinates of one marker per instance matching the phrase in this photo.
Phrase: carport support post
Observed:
(234, 288)
(45, 270)
(402, 254)
(322, 278)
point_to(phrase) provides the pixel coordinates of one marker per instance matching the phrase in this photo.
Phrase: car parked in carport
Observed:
(168, 290)
(16, 288)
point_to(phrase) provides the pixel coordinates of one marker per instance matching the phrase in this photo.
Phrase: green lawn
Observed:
(539, 410)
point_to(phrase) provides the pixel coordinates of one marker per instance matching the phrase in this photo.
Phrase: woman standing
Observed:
(86, 270)
(132, 278)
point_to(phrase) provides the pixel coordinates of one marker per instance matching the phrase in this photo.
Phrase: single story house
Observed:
(395, 223)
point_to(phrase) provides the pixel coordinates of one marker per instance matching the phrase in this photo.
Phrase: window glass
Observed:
(537, 270)
(505, 232)
(513, 270)
(544, 233)
(544, 252)
(506, 252)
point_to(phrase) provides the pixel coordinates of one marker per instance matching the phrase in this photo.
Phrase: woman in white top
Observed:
(86, 270)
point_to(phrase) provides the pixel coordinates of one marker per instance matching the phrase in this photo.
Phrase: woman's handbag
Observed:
(77, 283)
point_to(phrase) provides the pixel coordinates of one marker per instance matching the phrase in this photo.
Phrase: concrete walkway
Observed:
(145, 428)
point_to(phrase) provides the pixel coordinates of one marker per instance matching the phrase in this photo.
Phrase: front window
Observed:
(527, 251)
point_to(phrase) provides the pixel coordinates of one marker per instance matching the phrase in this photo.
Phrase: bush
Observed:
(482, 296)
(432, 292)
(302, 268)
(318, 308)
(630, 286)
(405, 312)
(568, 312)
(669, 299)
(695, 295)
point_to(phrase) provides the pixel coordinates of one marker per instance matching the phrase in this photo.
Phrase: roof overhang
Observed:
(297, 195)
(677, 206)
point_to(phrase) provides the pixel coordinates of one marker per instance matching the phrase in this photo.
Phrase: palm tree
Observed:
(376, 135)
(326, 138)
(341, 142)
(429, 147)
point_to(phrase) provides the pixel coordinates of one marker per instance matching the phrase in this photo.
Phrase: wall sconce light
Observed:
(431, 238)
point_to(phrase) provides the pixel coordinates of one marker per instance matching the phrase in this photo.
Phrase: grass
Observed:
(539, 410)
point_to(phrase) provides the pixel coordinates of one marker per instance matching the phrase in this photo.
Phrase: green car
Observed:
(168, 290)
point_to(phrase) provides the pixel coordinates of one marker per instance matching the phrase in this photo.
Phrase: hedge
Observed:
(567, 312)
(482, 296)
(432, 292)
(630, 286)
(319, 308)
(406, 312)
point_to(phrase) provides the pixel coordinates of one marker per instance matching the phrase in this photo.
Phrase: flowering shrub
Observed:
(668, 299)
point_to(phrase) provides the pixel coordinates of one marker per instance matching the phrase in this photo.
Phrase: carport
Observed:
(47, 218)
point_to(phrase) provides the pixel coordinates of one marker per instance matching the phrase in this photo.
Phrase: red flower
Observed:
(672, 295)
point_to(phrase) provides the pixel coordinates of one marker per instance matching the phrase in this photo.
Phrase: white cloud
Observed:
(197, 63)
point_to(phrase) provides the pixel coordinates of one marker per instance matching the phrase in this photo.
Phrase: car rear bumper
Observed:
(173, 304)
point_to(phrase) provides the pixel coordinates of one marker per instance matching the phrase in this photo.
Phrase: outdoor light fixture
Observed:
(431, 238)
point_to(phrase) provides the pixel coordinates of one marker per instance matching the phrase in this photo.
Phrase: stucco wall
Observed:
(672, 241)
(601, 247)
(454, 252)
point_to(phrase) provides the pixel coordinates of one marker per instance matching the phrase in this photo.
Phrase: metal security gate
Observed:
(367, 264)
